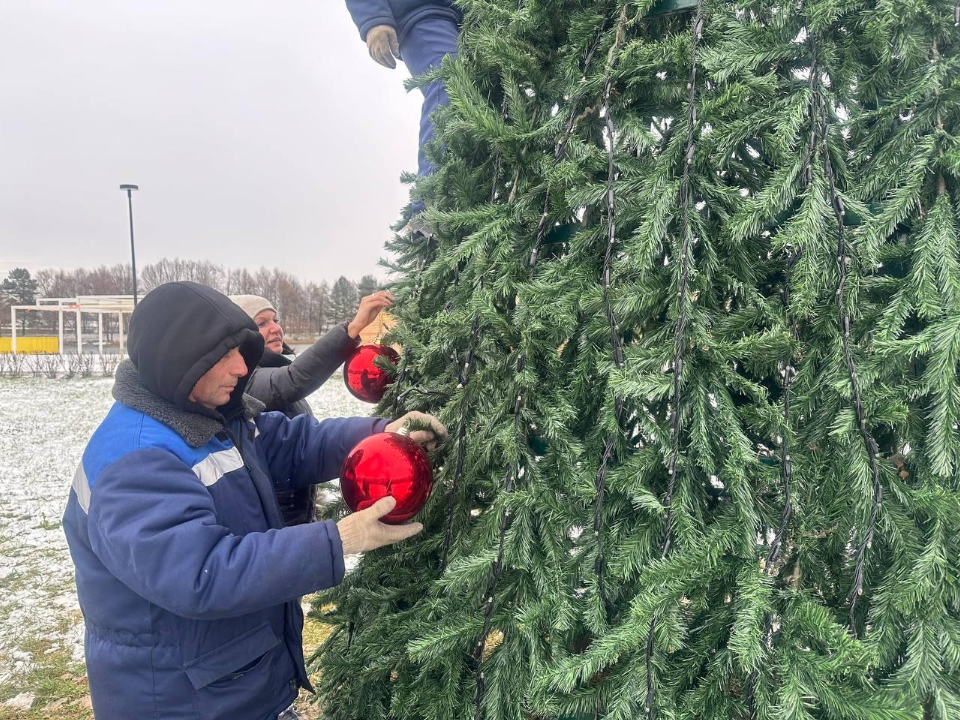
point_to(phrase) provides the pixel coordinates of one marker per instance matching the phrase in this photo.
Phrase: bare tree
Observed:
(291, 302)
(243, 283)
(318, 300)
(305, 308)
(198, 271)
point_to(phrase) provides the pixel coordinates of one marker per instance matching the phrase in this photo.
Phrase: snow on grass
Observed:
(333, 400)
(44, 426)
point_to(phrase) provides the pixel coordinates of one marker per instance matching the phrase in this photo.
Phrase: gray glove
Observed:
(362, 530)
(429, 438)
(383, 46)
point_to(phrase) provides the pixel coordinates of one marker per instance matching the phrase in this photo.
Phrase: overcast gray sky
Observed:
(259, 133)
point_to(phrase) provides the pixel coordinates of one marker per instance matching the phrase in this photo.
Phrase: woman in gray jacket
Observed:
(283, 380)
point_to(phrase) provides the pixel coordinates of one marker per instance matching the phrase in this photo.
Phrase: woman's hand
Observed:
(370, 307)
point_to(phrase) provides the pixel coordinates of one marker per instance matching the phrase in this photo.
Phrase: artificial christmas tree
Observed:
(692, 317)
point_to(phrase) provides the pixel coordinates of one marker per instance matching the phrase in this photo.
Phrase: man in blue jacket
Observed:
(421, 33)
(188, 581)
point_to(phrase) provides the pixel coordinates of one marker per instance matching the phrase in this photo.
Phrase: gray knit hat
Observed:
(253, 305)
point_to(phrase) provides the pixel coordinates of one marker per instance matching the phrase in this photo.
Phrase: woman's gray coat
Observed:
(283, 382)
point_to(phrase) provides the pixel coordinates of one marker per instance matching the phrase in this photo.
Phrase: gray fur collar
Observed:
(194, 427)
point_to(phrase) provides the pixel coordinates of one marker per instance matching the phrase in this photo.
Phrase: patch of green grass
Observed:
(18, 580)
(58, 683)
(49, 525)
(314, 633)
(48, 553)
(6, 610)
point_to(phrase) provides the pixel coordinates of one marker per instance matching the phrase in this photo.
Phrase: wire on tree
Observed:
(615, 341)
(686, 262)
(870, 445)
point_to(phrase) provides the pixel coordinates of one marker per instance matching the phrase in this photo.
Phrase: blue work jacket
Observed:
(188, 581)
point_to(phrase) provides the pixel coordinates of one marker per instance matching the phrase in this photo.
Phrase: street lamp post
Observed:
(133, 253)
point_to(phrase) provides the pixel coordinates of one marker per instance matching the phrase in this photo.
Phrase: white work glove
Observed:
(362, 531)
(383, 46)
(430, 437)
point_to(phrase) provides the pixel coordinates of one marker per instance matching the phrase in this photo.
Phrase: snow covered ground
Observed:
(44, 425)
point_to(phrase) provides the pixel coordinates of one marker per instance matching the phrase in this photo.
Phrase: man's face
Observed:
(270, 329)
(214, 387)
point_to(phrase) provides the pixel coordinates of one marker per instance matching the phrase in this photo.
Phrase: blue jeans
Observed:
(424, 47)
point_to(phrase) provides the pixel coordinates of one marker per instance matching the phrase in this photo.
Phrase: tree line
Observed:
(309, 308)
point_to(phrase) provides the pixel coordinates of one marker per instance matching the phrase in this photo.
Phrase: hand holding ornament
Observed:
(362, 531)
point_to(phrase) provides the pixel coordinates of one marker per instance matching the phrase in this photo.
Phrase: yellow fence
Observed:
(31, 345)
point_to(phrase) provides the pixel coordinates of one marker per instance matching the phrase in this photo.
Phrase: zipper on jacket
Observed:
(264, 500)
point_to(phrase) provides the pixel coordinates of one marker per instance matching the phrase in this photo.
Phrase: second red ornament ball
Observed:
(363, 377)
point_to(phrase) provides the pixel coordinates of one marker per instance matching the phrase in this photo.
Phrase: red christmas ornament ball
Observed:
(387, 464)
(364, 378)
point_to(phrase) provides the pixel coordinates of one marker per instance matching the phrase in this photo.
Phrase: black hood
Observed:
(179, 331)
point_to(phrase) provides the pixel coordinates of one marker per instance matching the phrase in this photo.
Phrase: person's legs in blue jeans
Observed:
(423, 48)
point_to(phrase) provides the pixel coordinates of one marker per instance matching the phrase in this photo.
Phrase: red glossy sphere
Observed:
(364, 378)
(387, 464)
